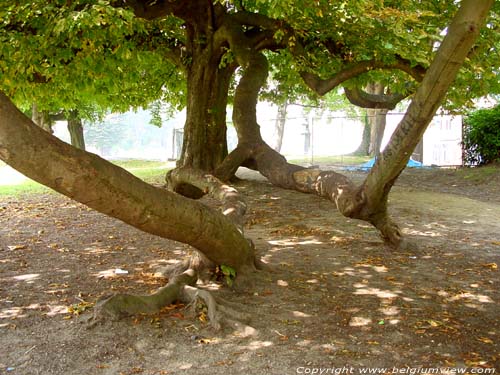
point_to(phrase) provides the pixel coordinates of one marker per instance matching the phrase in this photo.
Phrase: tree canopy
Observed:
(99, 54)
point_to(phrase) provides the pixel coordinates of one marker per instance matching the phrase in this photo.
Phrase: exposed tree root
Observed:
(179, 289)
(218, 313)
(122, 305)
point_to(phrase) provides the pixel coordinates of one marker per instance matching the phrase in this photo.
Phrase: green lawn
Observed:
(333, 160)
(147, 170)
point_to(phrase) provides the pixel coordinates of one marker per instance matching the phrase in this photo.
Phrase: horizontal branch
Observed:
(323, 86)
(363, 99)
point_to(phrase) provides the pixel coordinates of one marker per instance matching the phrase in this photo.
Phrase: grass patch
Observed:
(27, 187)
(152, 172)
(131, 164)
(334, 160)
(479, 175)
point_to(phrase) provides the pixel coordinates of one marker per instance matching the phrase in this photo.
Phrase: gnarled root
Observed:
(218, 314)
(122, 305)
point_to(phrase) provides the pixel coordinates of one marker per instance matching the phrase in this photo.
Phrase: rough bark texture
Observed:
(204, 144)
(75, 128)
(87, 178)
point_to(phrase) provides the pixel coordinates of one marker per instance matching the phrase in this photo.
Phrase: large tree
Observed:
(209, 43)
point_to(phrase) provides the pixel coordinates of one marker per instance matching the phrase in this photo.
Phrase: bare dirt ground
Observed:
(335, 298)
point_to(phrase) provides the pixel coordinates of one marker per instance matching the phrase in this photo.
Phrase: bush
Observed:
(481, 137)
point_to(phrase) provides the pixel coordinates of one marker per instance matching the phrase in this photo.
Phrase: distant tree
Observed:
(481, 136)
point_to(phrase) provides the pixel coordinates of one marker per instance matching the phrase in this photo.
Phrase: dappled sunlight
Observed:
(256, 345)
(54, 310)
(97, 250)
(18, 312)
(111, 273)
(480, 298)
(13, 313)
(363, 289)
(378, 269)
(28, 278)
(295, 241)
(359, 321)
(415, 232)
(300, 314)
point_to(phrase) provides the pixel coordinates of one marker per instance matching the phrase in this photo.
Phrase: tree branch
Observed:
(323, 86)
(363, 99)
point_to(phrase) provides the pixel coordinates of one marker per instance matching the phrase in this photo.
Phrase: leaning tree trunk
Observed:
(109, 189)
(369, 201)
(459, 39)
(75, 128)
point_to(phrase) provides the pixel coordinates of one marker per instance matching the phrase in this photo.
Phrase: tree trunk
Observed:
(204, 143)
(109, 189)
(460, 38)
(364, 146)
(377, 119)
(280, 125)
(75, 128)
(41, 118)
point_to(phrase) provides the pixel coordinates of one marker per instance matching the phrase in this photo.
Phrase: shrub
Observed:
(481, 136)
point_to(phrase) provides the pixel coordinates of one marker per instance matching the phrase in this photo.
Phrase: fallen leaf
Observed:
(486, 340)
(493, 266)
(16, 247)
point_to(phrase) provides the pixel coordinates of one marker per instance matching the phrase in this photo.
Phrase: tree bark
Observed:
(75, 128)
(204, 143)
(364, 146)
(377, 119)
(109, 189)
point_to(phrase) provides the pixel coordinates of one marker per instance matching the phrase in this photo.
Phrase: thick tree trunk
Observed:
(204, 143)
(75, 128)
(109, 189)
(41, 118)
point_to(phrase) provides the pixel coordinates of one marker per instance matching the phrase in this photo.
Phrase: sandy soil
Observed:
(335, 298)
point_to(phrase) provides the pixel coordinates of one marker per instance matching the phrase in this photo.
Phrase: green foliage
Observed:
(98, 57)
(481, 138)
(94, 56)
(229, 274)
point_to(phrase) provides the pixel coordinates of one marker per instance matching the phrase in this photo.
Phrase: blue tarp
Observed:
(369, 164)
